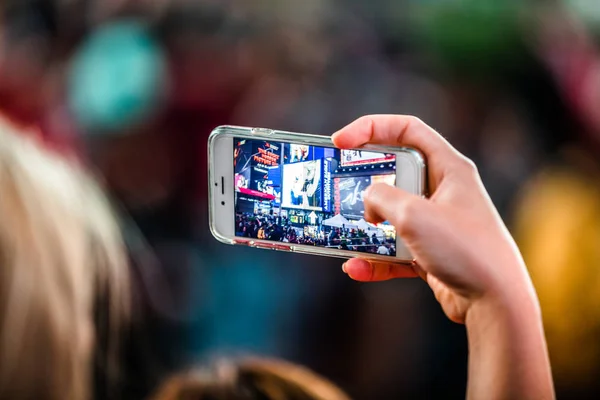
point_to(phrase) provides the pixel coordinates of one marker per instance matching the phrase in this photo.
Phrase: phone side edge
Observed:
(411, 176)
(212, 211)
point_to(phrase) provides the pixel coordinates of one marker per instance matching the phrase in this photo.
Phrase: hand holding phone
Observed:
(456, 236)
(464, 252)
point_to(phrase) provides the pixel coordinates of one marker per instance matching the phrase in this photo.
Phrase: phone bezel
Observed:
(410, 176)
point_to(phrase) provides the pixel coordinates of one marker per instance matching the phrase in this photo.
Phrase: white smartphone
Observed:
(296, 192)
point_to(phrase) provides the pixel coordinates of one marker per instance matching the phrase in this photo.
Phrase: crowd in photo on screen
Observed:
(279, 229)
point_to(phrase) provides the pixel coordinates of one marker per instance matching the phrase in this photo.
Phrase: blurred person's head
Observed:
(60, 251)
(27, 30)
(254, 379)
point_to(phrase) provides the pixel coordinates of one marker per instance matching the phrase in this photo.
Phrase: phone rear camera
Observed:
(222, 203)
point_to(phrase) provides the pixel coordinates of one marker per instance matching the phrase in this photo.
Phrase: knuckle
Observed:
(380, 272)
(405, 217)
(468, 165)
(365, 121)
(415, 121)
(365, 125)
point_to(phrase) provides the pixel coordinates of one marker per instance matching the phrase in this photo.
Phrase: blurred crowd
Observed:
(134, 88)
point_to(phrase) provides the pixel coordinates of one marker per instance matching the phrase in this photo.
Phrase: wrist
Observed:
(513, 306)
(510, 295)
(507, 348)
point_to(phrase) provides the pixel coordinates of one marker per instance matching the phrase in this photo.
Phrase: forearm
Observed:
(508, 357)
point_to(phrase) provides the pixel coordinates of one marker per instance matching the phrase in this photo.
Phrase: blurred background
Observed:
(134, 88)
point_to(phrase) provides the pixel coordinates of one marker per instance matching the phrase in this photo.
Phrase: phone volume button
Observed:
(269, 246)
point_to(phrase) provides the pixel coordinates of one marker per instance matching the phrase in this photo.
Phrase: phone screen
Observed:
(310, 195)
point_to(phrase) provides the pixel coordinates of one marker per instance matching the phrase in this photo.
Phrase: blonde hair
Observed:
(60, 246)
(250, 379)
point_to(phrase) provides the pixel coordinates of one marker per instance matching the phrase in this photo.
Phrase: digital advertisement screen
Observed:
(255, 164)
(351, 158)
(302, 185)
(351, 192)
(291, 193)
(298, 153)
(388, 179)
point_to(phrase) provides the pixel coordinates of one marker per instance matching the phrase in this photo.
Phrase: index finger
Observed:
(365, 271)
(400, 130)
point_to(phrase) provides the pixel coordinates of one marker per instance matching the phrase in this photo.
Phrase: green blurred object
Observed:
(470, 36)
(116, 77)
(588, 11)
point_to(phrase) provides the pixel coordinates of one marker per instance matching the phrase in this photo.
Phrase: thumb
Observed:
(404, 210)
(423, 228)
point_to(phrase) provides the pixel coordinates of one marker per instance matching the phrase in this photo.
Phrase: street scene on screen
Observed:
(310, 195)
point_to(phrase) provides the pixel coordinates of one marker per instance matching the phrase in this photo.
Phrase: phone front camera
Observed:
(222, 203)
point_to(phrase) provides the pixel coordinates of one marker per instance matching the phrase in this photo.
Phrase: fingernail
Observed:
(344, 268)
